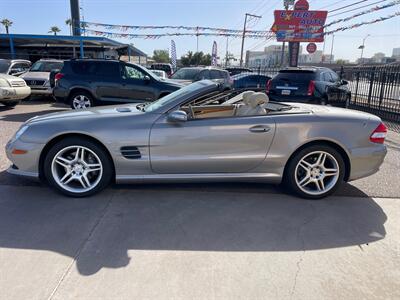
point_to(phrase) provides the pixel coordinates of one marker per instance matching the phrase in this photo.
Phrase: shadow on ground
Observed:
(101, 231)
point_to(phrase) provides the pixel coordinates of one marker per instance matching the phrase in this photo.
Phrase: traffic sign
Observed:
(302, 5)
(311, 48)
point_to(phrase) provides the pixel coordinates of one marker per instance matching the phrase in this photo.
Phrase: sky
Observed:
(37, 16)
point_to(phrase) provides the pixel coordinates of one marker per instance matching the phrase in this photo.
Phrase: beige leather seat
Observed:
(253, 105)
(243, 108)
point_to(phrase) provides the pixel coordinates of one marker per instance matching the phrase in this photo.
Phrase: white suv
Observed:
(12, 90)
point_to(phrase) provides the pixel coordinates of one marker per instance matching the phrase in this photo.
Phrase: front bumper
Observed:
(24, 164)
(14, 93)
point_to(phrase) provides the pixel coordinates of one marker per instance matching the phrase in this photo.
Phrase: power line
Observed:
(357, 8)
(343, 7)
(332, 4)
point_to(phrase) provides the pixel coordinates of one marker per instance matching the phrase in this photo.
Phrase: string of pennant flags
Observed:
(125, 28)
(368, 11)
(107, 34)
(353, 26)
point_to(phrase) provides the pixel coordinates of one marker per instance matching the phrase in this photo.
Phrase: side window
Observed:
(130, 72)
(203, 75)
(215, 74)
(22, 67)
(83, 67)
(107, 69)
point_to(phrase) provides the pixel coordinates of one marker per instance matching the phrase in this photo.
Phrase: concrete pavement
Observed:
(165, 244)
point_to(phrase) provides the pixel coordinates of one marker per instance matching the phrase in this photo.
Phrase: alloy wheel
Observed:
(81, 102)
(317, 173)
(77, 169)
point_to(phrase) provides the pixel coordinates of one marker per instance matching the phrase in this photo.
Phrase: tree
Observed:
(195, 59)
(6, 23)
(161, 56)
(68, 22)
(54, 29)
(341, 62)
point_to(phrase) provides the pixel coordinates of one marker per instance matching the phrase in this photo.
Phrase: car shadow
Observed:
(101, 231)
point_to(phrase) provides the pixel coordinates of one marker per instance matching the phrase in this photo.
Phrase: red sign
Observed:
(299, 25)
(311, 48)
(302, 5)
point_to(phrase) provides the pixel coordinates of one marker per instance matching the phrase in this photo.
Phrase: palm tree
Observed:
(68, 22)
(54, 29)
(6, 23)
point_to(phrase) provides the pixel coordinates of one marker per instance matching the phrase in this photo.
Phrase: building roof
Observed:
(34, 40)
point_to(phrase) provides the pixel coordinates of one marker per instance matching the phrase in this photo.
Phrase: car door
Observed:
(341, 89)
(213, 145)
(137, 86)
(330, 87)
(104, 77)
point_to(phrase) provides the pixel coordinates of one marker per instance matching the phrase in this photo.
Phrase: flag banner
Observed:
(193, 28)
(214, 54)
(173, 55)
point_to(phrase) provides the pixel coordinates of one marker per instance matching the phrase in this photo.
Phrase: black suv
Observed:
(309, 85)
(83, 83)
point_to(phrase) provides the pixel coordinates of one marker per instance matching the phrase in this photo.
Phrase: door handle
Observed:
(260, 128)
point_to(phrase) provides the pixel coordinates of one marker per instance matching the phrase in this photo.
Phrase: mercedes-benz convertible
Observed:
(199, 133)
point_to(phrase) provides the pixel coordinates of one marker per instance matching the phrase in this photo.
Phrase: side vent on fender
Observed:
(130, 152)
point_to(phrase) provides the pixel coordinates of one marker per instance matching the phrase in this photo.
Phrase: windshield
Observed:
(186, 74)
(46, 66)
(4, 65)
(171, 97)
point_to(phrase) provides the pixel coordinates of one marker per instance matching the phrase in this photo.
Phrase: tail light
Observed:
(269, 84)
(311, 88)
(58, 76)
(379, 134)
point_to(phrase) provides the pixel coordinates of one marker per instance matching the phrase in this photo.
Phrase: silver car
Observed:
(200, 134)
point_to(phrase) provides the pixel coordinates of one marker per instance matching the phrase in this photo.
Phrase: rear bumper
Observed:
(366, 161)
(45, 91)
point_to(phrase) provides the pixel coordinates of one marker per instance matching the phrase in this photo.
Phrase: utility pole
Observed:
(75, 19)
(226, 54)
(333, 40)
(286, 5)
(244, 35)
(362, 47)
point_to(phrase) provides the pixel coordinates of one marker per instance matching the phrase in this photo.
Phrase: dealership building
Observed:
(33, 47)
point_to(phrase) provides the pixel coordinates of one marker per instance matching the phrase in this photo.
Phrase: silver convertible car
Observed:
(200, 134)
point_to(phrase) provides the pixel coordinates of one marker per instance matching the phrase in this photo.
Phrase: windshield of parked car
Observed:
(186, 73)
(46, 66)
(172, 97)
(4, 66)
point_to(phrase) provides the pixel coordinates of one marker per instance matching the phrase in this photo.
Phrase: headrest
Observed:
(246, 96)
(258, 99)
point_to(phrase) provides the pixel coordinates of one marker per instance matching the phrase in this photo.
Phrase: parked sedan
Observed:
(309, 85)
(12, 90)
(15, 67)
(83, 83)
(188, 136)
(246, 81)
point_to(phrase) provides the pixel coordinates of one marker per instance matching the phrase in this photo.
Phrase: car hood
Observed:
(36, 75)
(98, 112)
(182, 82)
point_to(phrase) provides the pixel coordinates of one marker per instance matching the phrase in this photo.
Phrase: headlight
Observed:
(4, 83)
(20, 132)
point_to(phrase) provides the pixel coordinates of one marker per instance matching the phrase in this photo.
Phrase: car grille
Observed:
(35, 82)
(18, 83)
(130, 152)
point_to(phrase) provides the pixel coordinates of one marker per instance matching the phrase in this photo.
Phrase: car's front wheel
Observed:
(315, 172)
(77, 167)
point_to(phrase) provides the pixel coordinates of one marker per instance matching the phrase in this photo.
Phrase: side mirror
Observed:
(177, 116)
(345, 82)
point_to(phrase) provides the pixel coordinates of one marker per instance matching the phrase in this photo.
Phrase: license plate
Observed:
(286, 92)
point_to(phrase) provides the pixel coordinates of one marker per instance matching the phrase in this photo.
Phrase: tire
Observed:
(61, 160)
(303, 167)
(10, 103)
(81, 100)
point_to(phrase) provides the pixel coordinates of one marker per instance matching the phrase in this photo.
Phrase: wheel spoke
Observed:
(63, 162)
(305, 165)
(305, 181)
(331, 172)
(77, 153)
(86, 180)
(66, 176)
(321, 159)
(82, 182)
(82, 154)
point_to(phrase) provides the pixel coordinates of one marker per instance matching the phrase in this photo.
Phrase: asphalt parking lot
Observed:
(197, 241)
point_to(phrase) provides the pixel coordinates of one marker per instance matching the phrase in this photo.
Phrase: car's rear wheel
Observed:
(81, 100)
(315, 172)
(77, 167)
(10, 103)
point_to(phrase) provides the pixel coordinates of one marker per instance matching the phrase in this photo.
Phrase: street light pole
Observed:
(362, 47)
(244, 34)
